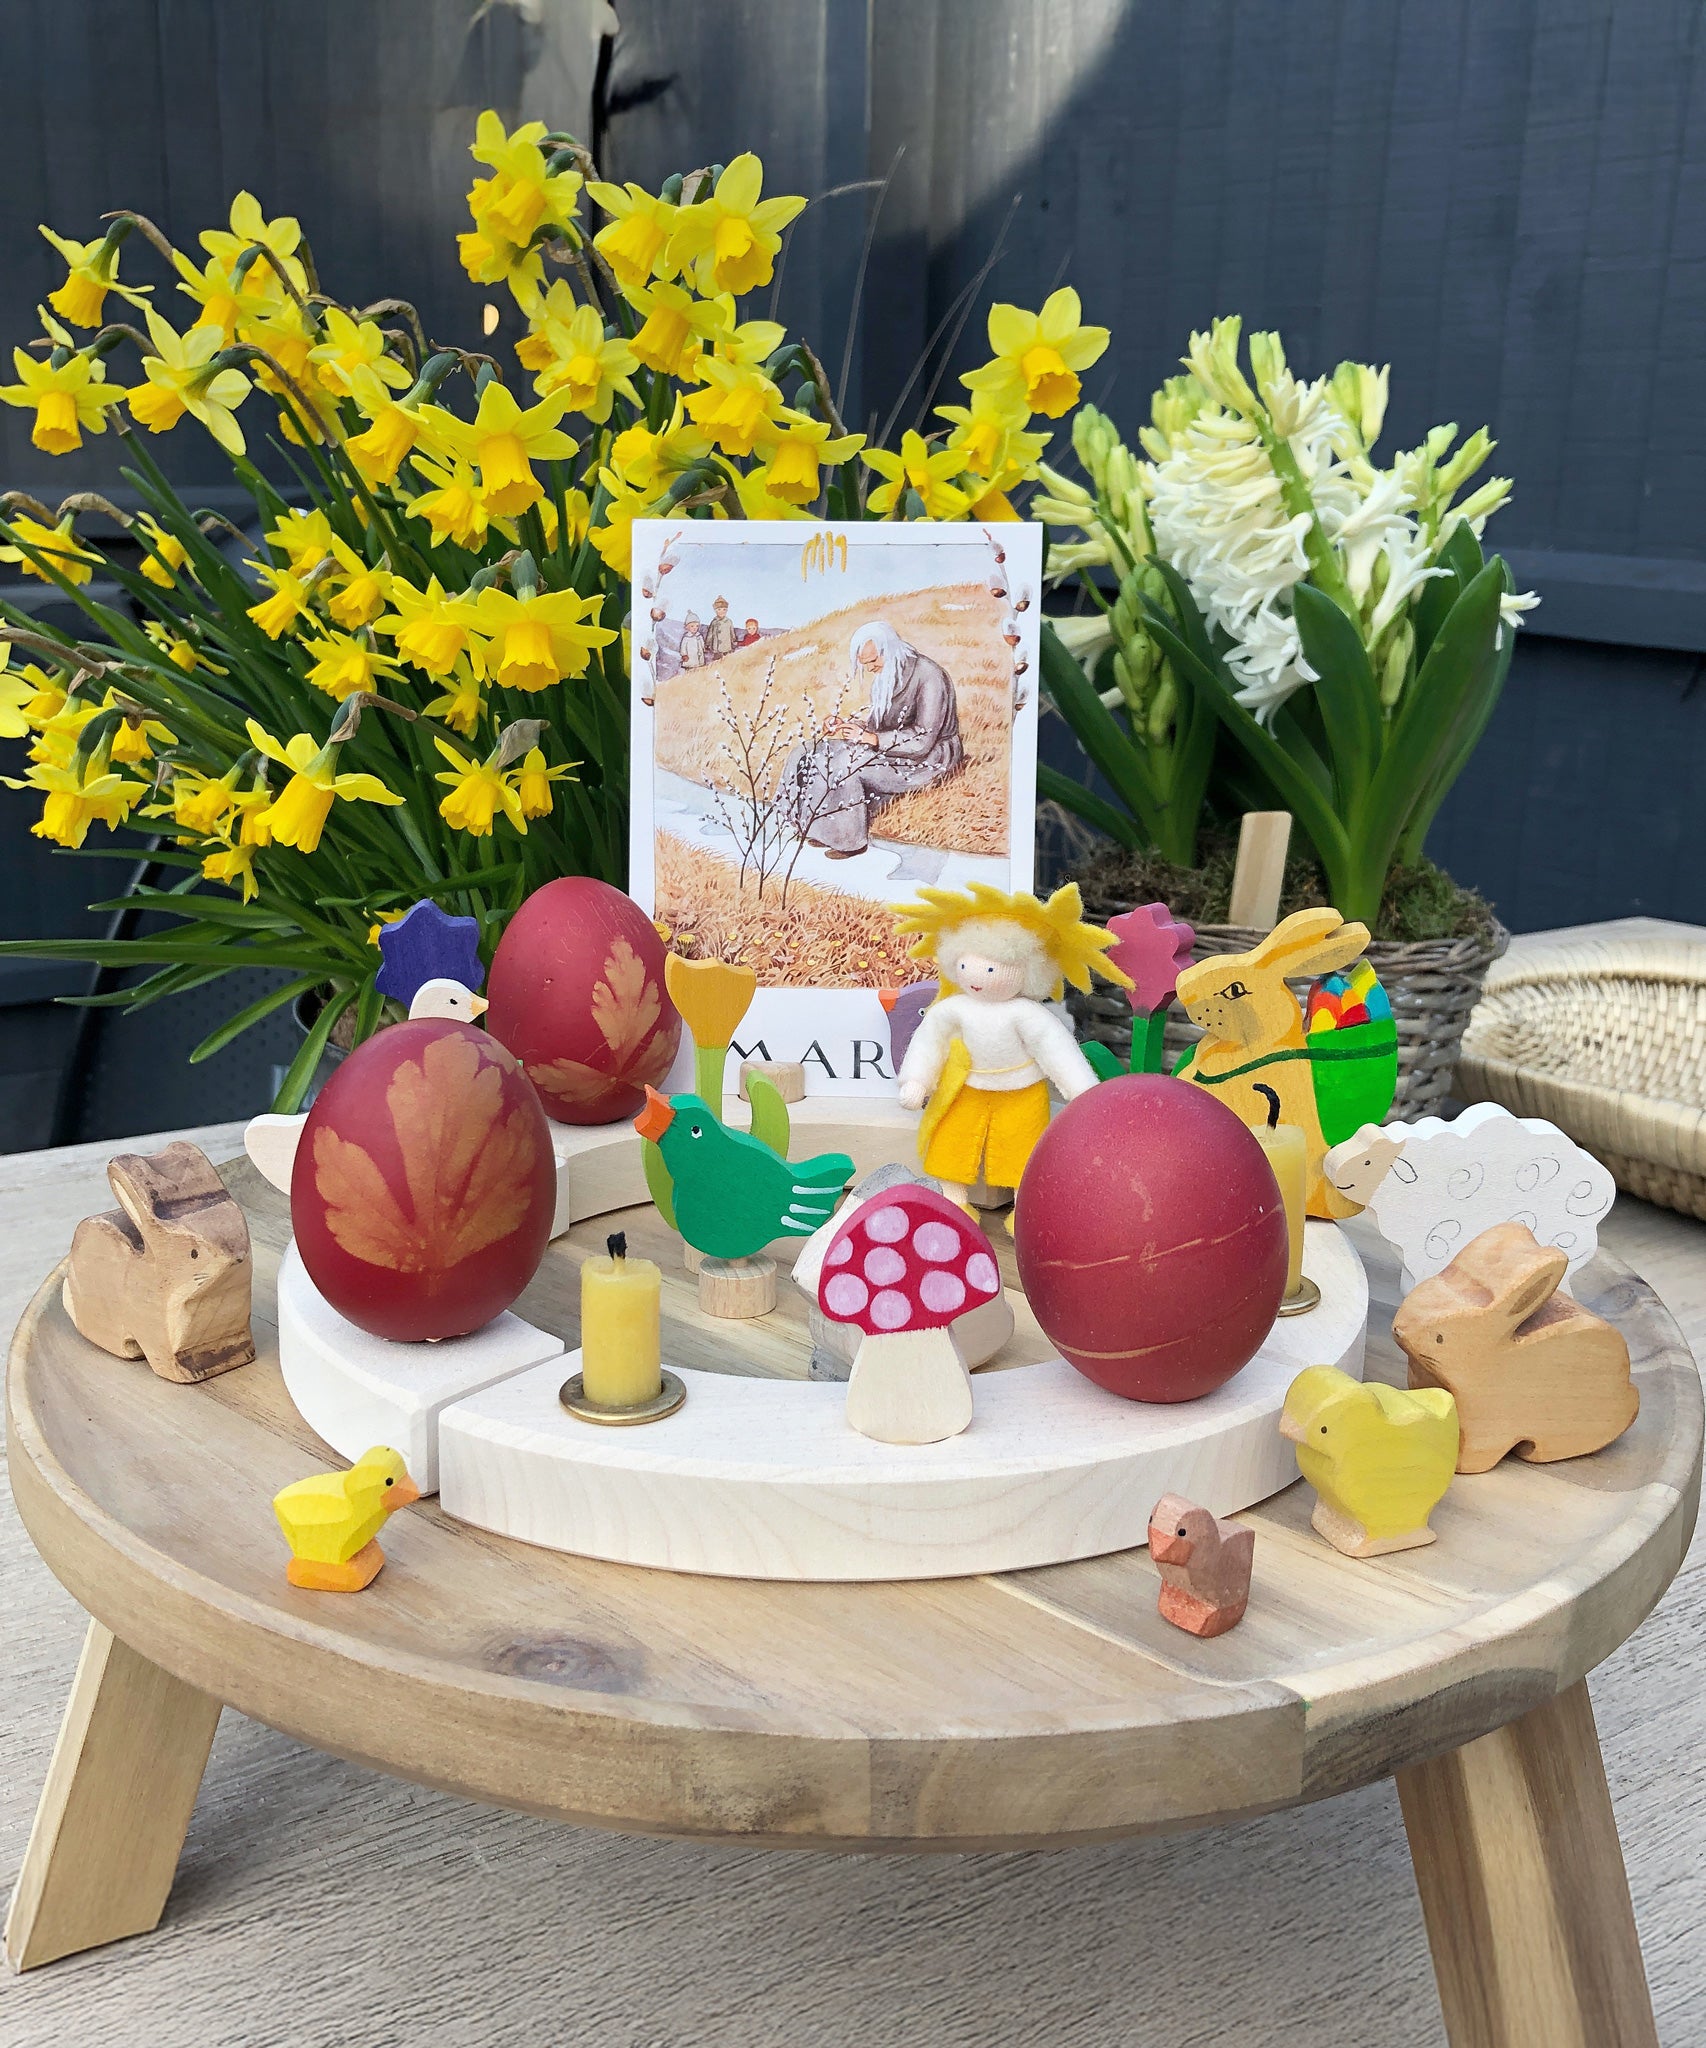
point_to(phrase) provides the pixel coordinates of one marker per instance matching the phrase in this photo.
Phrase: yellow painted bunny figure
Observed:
(1253, 1031)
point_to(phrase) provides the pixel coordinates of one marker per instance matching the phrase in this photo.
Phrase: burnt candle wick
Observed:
(616, 1244)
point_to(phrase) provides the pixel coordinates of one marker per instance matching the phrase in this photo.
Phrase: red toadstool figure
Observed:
(902, 1267)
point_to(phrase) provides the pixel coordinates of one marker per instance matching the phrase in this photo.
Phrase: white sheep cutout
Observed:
(1432, 1186)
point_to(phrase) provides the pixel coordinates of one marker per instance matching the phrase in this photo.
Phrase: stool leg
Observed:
(1523, 1888)
(115, 1808)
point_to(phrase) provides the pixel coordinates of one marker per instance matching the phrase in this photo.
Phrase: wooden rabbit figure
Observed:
(1254, 1031)
(165, 1276)
(1532, 1370)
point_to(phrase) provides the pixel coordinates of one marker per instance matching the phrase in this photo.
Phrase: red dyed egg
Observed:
(424, 1185)
(1151, 1238)
(577, 994)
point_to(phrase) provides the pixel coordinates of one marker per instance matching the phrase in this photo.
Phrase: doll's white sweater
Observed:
(1012, 1045)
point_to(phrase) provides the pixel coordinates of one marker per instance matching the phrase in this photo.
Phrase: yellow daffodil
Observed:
(987, 429)
(280, 238)
(384, 918)
(745, 341)
(461, 705)
(57, 736)
(675, 329)
(503, 441)
(287, 335)
(533, 782)
(135, 737)
(297, 815)
(651, 462)
(79, 795)
(166, 553)
(29, 697)
(235, 866)
(356, 593)
(731, 238)
(793, 448)
(275, 615)
(456, 508)
(180, 378)
(344, 664)
(350, 348)
(201, 803)
(1038, 355)
(425, 626)
(58, 547)
(614, 540)
(535, 641)
(478, 791)
(569, 349)
(66, 398)
(303, 538)
(916, 468)
(757, 500)
(92, 273)
(636, 242)
(526, 193)
(734, 405)
(393, 432)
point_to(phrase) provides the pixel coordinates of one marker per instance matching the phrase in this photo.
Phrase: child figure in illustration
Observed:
(985, 1052)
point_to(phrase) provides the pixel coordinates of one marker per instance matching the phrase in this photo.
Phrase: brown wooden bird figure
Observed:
(1204, 1565)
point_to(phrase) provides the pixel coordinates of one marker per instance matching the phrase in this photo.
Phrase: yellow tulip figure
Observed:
(297, 816)
(67, 399)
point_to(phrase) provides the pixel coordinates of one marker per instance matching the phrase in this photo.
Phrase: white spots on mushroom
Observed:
(887, 1226)
(839, 1252)
(942, 1293)
(845, 1294)
(981, 1273)
(890, 1310)
(884, 1266)
(935, 1242)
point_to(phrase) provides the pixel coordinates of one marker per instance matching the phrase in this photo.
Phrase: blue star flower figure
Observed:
(427, 944)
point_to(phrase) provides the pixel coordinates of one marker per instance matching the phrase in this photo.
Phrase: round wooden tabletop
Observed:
(1019, 1711)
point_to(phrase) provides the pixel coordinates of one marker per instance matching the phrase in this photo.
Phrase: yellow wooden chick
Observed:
(331, 1521)
(1380, 1459)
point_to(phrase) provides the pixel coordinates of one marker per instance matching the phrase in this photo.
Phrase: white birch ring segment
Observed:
(763, 1478)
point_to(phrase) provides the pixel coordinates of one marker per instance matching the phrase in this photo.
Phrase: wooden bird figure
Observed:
(1380, 1459)
(730, 1193)
(1531, 1370)
(1204, 1564)
(331, 1521)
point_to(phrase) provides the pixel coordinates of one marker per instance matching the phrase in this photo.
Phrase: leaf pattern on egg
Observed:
(626, 1009)
(467, 1166)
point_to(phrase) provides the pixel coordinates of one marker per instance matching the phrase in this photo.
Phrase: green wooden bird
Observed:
(730, 1192)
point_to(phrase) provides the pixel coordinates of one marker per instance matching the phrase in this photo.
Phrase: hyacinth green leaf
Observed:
(1345, 691)
(1460, 558)
(1098, 733)
(1422, 816)
(1054, 787)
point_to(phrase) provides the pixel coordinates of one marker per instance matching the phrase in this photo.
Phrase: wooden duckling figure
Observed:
(1204, 1564)
(1380, 1459)
(331, 1521)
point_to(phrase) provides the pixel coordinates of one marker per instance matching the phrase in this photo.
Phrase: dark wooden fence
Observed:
(1507, 203)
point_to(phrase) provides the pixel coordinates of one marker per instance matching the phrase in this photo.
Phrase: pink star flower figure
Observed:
(1154, 949)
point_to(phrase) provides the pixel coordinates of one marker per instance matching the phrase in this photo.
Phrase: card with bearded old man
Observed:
(870, 728)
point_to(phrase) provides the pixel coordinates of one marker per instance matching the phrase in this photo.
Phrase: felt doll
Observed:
(986, 1051)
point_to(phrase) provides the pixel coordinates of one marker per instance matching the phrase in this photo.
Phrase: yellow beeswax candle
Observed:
(1288, 1155)
(621, 1344)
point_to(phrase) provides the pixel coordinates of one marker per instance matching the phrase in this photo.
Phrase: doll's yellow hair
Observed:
(1075, 948)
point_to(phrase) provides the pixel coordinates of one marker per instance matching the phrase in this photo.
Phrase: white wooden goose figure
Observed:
(271, 1141)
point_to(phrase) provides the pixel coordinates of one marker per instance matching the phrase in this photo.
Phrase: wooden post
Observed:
(1523, 1888)
(120, 1789)
(1259, 874)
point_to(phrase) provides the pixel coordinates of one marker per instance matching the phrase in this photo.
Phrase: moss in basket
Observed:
(1419, 902)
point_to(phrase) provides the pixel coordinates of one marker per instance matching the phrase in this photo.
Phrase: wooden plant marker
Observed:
(737, 1288)
(1259, 873)
(167, 1275)
(787, 1077)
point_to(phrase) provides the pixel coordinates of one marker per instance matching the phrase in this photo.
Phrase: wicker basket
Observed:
(1433, 985)
(1607, 1039)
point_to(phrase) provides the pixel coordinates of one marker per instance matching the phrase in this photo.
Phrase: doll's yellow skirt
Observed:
(988, 1133)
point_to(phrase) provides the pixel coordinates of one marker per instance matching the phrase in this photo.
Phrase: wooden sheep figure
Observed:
(166, 1276)
(1431, 1187)
(1530, 1369)
(1204, 1564)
